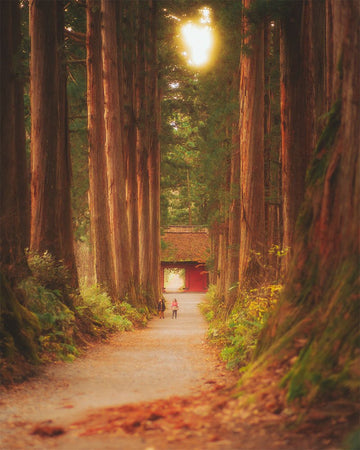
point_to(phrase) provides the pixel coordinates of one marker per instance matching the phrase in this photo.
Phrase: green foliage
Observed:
(48, 271)
(113, 317)
(137, 316)
(47, 305)
(197, 119)
(237, 334)
(56, 320)
(46, 295)
(94, 314)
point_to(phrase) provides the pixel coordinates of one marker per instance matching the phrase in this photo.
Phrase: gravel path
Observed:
(167, 358)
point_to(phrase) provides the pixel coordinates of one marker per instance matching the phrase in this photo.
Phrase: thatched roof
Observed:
(185, 243)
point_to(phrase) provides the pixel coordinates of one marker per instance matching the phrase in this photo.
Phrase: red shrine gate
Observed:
(193, 276)
(183, 259)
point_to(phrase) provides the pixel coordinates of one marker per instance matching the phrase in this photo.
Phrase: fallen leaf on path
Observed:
(48, 430)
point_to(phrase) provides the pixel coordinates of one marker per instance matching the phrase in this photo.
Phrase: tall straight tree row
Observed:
(302, 102)
(123, 104)
(44, 221)
(320, 303)
(123, 137)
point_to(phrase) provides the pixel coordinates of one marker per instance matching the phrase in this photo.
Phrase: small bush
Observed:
(57, 321)
(48, 271)
(238, 333)
(111, 316)
(138, 317)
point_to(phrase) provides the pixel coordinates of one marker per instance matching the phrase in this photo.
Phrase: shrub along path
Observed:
(157, 388)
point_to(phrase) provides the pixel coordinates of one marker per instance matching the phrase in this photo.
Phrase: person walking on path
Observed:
(174, 307)
(161, 308)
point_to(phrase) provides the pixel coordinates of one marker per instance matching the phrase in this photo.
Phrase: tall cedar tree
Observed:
(318, 316)
(98, 186)
(154, 157)
(143, 142)
(128, 36)
(232, 267)
(272, 147)
(251, 126)
(124, 147)
(115, 161)
(51, 217)
(14, 191)
(301, 66)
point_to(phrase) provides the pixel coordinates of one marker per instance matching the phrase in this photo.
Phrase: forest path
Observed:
(168, 358)
(160, 388)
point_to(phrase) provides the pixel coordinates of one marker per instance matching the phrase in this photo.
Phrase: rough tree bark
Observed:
(19, 328)
(45, 117)
(301, 66)
(51, 225)
(114, 151)
(272, 148)
(64, 169)
(14, 191)
(232, 268)
(154, 159)
(98, 188)
(251, 129)
(143, 141)
(129, 33)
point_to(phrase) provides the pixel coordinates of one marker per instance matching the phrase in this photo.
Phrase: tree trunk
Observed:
(114, 151)
(129, 33)
(23, 172)
(143, 141)
(214, 251)
(154, 160)
(51, 217)
(222, 259)
(44, 123)
(301, 65)
(14, 192)
(64, 169)
(232, 270)
(272, 150)
(98, 188)
(251, 126)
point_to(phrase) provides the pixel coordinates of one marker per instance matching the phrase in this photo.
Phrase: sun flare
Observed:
(198, 39)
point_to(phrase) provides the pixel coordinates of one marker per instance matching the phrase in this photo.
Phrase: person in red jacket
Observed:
(174, 307)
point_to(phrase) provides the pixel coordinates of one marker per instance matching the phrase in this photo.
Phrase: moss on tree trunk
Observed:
(19, 328)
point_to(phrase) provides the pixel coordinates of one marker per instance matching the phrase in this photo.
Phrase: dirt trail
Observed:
(167, 358)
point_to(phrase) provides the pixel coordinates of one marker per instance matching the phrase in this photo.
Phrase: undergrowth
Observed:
(68, 318)
(237, 334)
